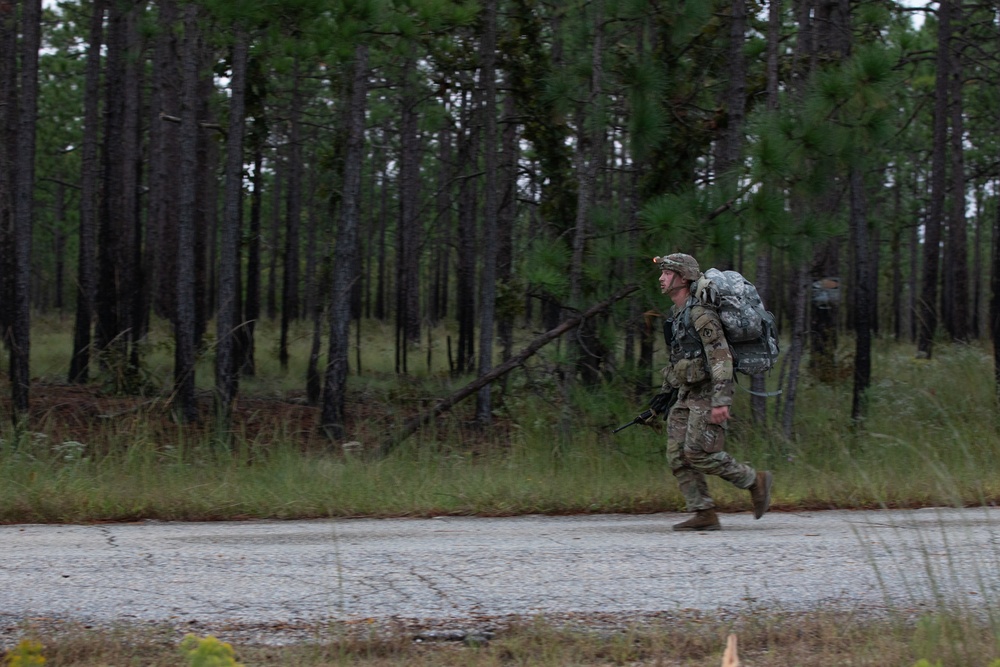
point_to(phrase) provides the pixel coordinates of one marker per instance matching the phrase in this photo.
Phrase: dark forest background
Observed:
(489, 164)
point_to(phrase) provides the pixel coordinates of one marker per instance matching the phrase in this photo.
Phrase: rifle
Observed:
(660, 405)
(641, 419)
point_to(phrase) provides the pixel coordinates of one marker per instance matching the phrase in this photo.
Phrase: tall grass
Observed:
(929, 439)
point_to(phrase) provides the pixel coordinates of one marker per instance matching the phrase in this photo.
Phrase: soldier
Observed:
(701, 373)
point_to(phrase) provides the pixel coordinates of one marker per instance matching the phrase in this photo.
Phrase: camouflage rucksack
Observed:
(748, 326)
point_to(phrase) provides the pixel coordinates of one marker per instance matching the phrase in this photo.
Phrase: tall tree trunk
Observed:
(111, 218)
(185, 324)
(932, 228)
(443, 224)
(160, 266)
(465, 280)
(487, 279)
(290, 277)
(505, 221)
(274, 236)
(956, 268)
(589, 351)
(8, 157)
(226, 377)
(24, 209)
(995, 300)
(731, 147)
(206, 197)
(79, 368)
(381, 309)
(130, 252)
(408, 272)
(864, 292)
(344, 265)
(251, 306)
(793, 359)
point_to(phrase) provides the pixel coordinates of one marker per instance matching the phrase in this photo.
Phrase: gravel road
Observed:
(296, 574)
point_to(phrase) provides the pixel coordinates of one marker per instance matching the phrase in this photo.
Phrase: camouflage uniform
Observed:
(701, 369)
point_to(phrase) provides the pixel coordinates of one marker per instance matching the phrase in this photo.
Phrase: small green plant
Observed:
(208, 652)
(27, 653)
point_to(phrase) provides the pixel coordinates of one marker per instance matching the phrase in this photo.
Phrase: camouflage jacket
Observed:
(701, 364)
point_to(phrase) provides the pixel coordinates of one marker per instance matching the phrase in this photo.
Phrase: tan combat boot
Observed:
(702, 520)
(760, 493)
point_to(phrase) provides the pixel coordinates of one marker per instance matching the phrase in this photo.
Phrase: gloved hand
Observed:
(661, 403)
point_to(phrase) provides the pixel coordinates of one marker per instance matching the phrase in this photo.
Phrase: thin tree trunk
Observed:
(274, 236)
(408, 271)
(932, 228)
(381, 309)
(290, 276)
(956, 269)
(800, 292)
(164, 161)
(488, 293)
(589, 351)
(79, 368)
(251, 307)
(333, 417)
(24, 210)
(184, 325)
(109, 298)
(227, 316)
(8, 158)
(995, 301)
(465, 283)
(864, 291)
(131, 233)
(506, 217)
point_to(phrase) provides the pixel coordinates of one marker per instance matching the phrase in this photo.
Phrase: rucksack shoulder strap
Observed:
(706, 291)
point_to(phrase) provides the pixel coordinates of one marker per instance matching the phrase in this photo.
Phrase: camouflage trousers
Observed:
(695, 448)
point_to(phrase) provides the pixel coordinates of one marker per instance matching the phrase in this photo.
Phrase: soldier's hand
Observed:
(661, 403)
(720, 414)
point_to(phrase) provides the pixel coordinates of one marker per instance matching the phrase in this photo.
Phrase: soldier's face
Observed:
(668, 279)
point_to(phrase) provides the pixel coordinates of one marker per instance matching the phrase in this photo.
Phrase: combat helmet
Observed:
(685, 266)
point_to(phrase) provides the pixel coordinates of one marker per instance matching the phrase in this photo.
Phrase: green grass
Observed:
(775, 639)
(929, 439)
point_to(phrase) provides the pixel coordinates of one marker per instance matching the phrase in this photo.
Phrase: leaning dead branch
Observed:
(411, 425)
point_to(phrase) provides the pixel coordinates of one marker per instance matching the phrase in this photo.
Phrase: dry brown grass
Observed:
(818, 639)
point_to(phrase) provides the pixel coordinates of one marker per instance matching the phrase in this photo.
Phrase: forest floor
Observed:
(91, 414)
(78, 412)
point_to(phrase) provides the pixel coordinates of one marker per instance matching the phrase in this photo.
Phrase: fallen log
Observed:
(411, 425)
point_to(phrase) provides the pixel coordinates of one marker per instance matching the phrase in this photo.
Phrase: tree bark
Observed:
(408, 271)
(955, 304)
(110, 326)
(227, 315)
(79, 369)
(864, 291)
(488, 272)
(8, 156)
(932, 229)
(184, 323)
(465, 283)
(251, 306)
(164, 164)
(24, 209)
(333, 415)
(290, 275)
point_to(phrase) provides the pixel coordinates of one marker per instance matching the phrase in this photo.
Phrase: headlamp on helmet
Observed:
(684, 265)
